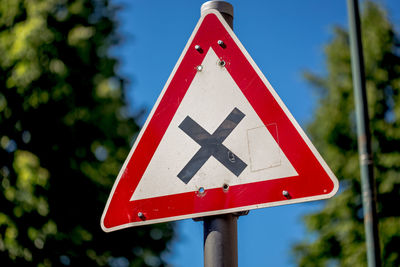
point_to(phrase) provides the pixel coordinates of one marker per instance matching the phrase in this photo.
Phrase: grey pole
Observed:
(220, 232)
(225, 8)
(364, 138)
(220, 241)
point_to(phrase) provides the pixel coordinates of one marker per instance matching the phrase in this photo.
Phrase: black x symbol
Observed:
(211, 145)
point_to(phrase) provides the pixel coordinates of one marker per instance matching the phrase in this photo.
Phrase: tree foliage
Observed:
(64, 133)
(337, 231)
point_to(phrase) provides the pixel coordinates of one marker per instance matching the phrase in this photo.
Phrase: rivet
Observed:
(221, 43)
(140, 215)
(285, 193)
(201, 190)
(225, 187)
(199, 68)
(221, 63)
(198, 48)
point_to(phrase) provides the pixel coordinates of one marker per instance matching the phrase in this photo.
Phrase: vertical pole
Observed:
(220, 232)
(220, 241)
(225, 8)
(364, 137)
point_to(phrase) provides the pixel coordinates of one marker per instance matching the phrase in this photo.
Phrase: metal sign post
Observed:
(220, 232)
(220, 241)
(364, 137)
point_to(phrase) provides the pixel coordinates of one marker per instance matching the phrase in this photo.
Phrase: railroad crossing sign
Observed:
(218, 140)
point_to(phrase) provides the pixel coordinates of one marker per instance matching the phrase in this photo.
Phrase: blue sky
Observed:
(284, 38)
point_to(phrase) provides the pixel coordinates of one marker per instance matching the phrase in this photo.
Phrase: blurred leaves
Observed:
(337, 231)
(64, 134)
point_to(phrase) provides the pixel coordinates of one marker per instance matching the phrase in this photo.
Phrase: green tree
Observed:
(64, 134)
(337, 231)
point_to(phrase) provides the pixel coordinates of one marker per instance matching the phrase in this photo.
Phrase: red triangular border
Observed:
(315, 180)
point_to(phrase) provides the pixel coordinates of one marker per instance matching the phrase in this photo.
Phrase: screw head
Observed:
(285, 193)
(140, 215)
(221, 43)
(197, 47)
(199, 68)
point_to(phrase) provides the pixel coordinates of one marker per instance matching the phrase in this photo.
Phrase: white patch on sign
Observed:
(263, 150)
(212, 95)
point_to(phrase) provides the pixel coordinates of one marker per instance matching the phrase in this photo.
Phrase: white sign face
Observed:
(212, 95)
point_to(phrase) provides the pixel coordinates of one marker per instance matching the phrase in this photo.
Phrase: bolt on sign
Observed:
(218, 140)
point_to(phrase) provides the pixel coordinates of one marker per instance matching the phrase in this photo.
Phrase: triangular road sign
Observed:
(218, 140)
